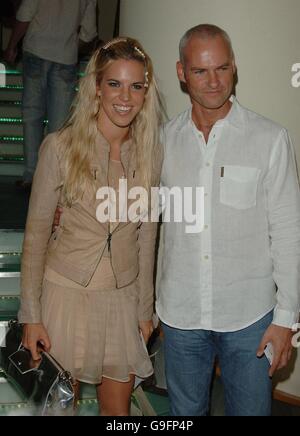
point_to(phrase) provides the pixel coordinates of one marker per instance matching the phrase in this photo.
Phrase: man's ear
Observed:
(180, 72)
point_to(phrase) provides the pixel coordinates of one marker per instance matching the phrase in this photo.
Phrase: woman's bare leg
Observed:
(115, 397)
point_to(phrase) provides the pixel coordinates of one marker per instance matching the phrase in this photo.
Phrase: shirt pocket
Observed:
(238, 186)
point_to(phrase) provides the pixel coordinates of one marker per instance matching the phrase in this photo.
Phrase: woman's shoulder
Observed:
(56, 142)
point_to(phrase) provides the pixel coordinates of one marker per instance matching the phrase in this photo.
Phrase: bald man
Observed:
(232, 289)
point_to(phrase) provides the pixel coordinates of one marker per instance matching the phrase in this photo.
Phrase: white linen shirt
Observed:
(223, 279)
(53, 31)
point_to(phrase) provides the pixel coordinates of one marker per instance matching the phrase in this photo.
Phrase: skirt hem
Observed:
(112, 378)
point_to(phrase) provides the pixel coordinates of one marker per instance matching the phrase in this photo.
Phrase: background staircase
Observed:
(11, 123)
(11, 128)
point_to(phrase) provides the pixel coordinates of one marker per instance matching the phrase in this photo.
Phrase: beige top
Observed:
(77, 257)
(103, 278)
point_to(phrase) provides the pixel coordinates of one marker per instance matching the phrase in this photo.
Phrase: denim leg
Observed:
(247, 386)
(60, 94)
(189, 360)
(33, 109)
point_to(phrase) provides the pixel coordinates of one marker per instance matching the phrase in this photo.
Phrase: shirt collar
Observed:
(234, 117)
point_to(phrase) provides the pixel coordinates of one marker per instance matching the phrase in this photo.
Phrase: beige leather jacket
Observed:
(76, 247)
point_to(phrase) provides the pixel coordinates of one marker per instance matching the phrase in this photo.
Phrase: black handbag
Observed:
(45, 383)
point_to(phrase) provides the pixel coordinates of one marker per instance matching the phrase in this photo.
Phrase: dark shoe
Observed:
(24, 186)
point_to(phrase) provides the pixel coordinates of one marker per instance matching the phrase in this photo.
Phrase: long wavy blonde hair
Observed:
(82, 126)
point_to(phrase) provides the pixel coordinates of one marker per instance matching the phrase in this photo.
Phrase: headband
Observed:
(138, 50)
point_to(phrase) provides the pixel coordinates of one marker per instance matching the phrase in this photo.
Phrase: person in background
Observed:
(8, 11)
(51, 31)
(216, 291)
(87, 289)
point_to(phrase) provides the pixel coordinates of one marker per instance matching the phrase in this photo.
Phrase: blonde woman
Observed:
(87, 289)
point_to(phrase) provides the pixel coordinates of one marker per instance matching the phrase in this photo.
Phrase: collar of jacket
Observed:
(128, 157)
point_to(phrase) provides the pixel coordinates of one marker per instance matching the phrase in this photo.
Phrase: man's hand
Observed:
(33, 334)
(10, 55)
(281, 339)
(146, 327)
(56, 220)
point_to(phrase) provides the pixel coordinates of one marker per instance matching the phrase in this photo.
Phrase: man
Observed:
(50, 52)
(216, 289)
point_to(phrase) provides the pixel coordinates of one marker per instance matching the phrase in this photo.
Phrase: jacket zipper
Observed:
(109, 237)
(110, 234)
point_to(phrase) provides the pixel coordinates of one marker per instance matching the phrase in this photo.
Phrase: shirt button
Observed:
(206, 257)
(208, 164)
(206, 227)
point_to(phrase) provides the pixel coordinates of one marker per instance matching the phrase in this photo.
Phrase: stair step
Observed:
(10, 265)
(11, 155)
(11, 139)
(7, 121)
(11, 242)
(10, 168)
(15, 77)
(12, 93)
(9, 287)
(11, 88)
(9, 395)
(13, 126)
(13, 129)
(10, 103)
(9, 272)
(11, 120)
(10, 110)
(11, 158)
(9, 307)
(11, 77)
(11, 150)
(8, 259)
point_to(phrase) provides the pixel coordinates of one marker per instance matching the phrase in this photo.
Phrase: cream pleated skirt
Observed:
(94, 333)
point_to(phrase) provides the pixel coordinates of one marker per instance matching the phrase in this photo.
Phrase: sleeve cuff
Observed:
(285, 318)
(24, 317)
(24, 16)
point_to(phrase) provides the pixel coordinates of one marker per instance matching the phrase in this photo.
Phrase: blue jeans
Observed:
(49, 89)
(190, 357)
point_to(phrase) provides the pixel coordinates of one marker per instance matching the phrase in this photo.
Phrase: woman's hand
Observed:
(146, 327)
(35, 335)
